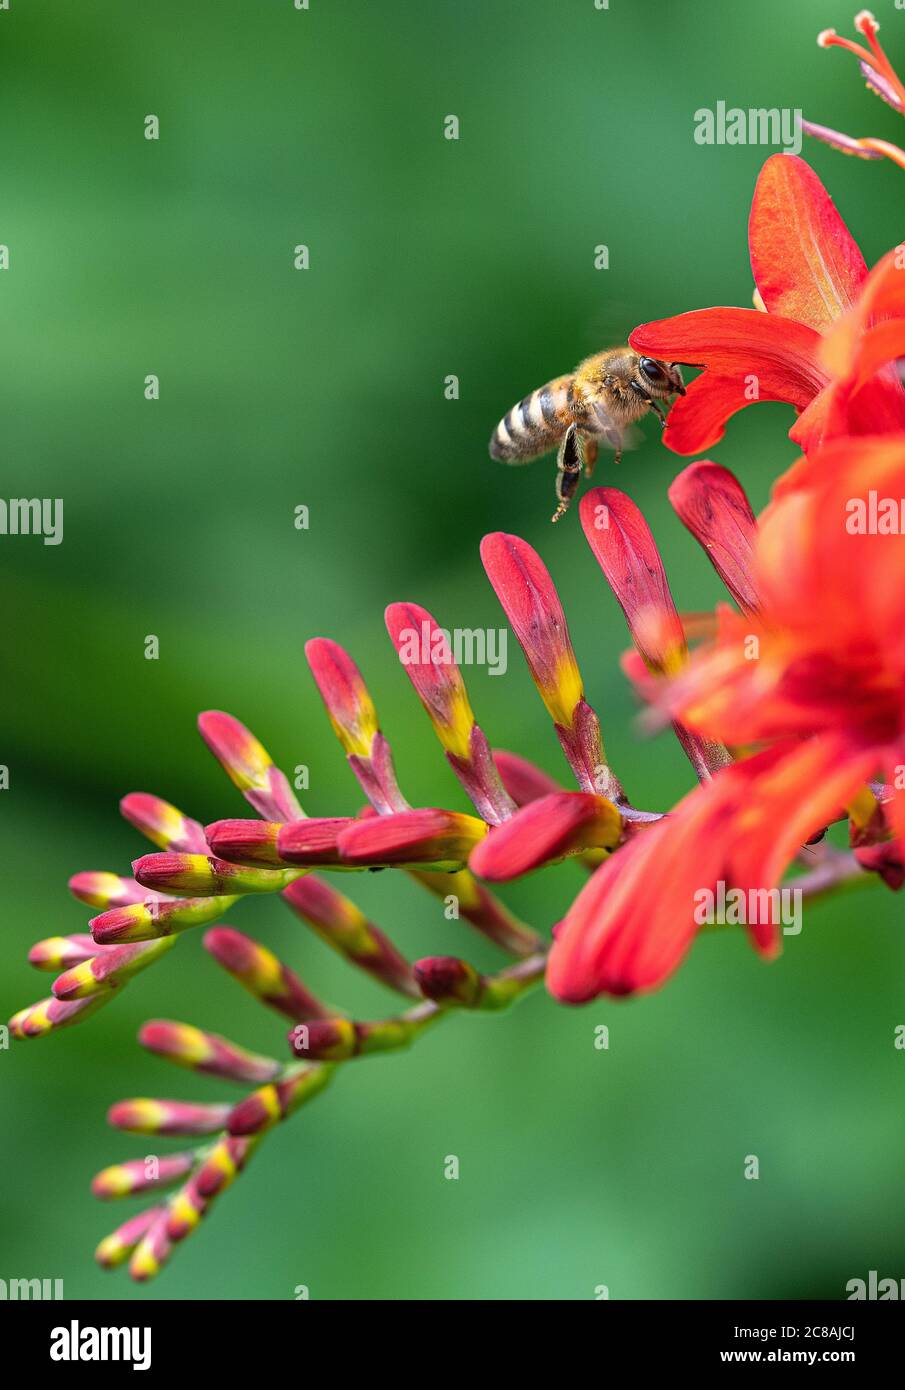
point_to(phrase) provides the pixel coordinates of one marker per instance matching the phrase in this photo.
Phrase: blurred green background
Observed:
(325, 388)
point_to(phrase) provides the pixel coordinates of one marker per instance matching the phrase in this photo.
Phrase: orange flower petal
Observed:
(806, 263)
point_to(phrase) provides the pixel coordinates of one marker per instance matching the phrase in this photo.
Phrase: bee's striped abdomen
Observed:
(536, 424)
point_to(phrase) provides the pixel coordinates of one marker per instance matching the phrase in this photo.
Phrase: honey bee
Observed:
(597, 402)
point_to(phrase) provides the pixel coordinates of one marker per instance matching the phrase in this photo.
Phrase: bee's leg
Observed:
(588, 448)
(568, 464)
(659, 414)
(650, 403)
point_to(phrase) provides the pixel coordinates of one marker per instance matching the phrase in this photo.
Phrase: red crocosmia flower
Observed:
(633, 922)
(827, 653)
(826, 656)
(872, 333)
(809, 274)
(818, 674)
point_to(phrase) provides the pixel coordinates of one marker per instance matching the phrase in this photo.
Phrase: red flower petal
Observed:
(740, 342)
(824, 419)
(882, 298)
(749, 357)
(614, 940)
(806, 263)
(633, 922)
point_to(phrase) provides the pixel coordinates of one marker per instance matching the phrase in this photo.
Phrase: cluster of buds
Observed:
(789, 708)
(521, 821)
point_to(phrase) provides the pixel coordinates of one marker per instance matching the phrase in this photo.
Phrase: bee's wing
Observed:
(606, 428)
(631, 438)
(616, 436)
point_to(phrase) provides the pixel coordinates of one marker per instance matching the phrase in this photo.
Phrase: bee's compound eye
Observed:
(652, 370)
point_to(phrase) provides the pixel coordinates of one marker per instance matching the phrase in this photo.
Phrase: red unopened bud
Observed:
(163, 823)
(626, 552)
(249, 766)
(545, 831)
(262, 974)
(449, 981)
(430, 837)
(712, 504)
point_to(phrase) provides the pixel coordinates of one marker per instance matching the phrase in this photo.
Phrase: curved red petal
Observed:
(749, 357)
(739, 342)
(633, 922)
(806, 264)
(882, 298)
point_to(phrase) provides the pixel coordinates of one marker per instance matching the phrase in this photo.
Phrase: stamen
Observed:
(881, 87)
(867, 25)
(828, 38)
(891, 151)
(873, 58)
(846, 144)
